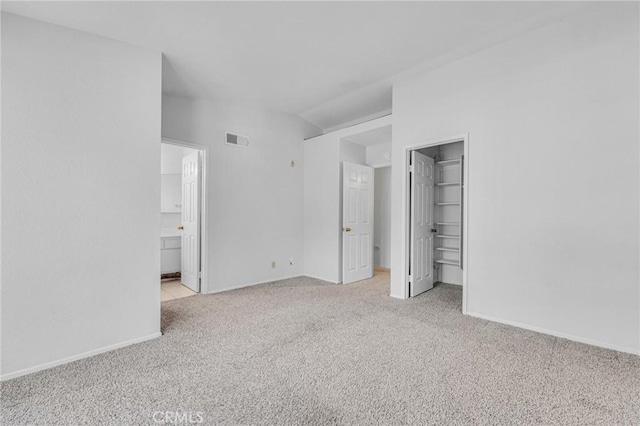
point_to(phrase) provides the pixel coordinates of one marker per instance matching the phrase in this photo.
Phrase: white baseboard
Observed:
(558, 334)
(236, 287)
(69, 359)
(442, 282)
(322, 279)
(239, 286)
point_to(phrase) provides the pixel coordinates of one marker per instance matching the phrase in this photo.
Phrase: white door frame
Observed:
(359, 225)
(339, 134)
(406, 212)
(204, 243)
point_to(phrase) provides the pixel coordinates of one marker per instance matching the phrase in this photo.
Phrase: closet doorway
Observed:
(436, 212)
(183, 220)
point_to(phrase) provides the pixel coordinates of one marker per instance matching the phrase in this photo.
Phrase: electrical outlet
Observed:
(291, 261)
(273, 263)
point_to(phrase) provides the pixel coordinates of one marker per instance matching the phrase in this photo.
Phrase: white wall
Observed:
(382, 217)
(322, 208)
(80, 146)
(379, 155)
(553, 122)
(322, 198)
(352, 152)
(171, 158)
(255, 198)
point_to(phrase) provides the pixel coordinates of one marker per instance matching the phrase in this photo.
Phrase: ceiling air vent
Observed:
(237, 140)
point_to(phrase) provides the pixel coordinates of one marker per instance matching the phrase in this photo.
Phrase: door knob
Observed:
(180, 227)
(347, 229)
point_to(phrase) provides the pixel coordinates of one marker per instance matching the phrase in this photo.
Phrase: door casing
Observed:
(204, 243)
(363, 178)
(406, 212)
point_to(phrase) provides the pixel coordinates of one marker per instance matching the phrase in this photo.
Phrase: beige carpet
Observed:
(302, 351)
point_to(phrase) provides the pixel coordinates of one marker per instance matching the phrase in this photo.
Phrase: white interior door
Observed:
(357, 222)
(191, 221)
(421, 259)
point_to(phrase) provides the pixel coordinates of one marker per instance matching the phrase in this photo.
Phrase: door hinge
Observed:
(200, 274)
(410, 278)
(411, 168)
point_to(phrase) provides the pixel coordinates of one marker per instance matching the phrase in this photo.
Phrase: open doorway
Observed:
(182, 219)
(436, 211)
(365, 205)
(382, 218)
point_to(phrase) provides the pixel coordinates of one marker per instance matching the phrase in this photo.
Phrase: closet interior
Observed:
(447, 209)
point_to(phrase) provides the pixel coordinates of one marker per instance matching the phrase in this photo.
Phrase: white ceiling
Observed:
(328, 62)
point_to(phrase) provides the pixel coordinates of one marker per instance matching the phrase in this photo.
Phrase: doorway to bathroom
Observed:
(183, 222)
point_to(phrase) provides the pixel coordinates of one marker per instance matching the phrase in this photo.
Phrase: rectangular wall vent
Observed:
(237, 140)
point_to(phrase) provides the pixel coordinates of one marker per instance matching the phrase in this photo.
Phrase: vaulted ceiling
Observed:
(328, 62)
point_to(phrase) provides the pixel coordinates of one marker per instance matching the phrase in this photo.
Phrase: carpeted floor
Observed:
(302, 351)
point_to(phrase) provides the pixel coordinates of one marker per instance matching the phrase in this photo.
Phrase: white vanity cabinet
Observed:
(170, 254)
